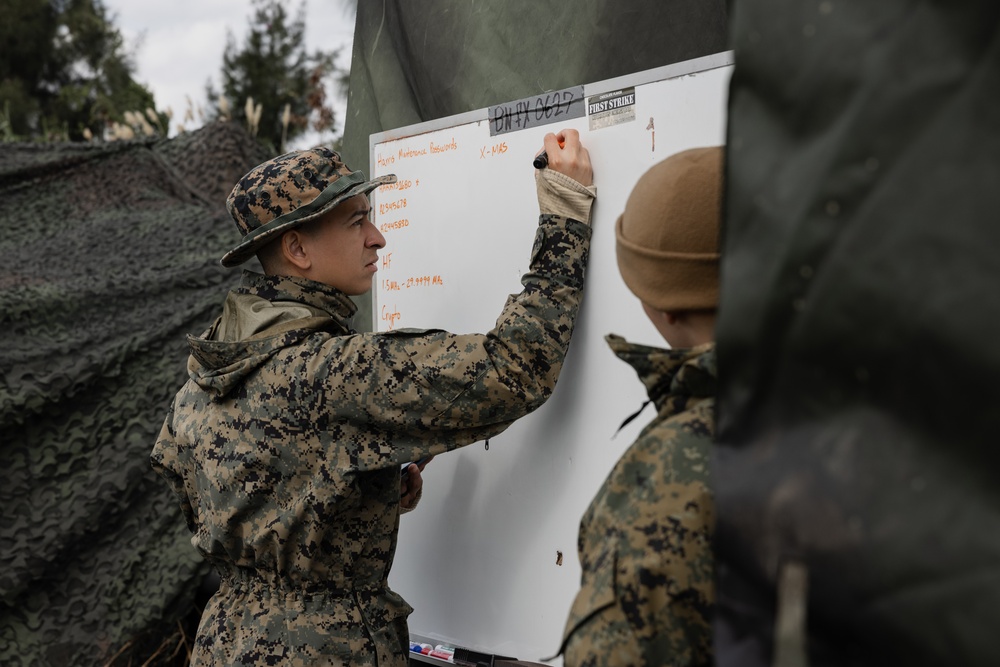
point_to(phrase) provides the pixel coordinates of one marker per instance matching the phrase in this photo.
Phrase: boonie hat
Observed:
(667, 238)
(288, 191)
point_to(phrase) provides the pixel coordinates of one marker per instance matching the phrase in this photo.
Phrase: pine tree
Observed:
(64, 70)
(273, 77)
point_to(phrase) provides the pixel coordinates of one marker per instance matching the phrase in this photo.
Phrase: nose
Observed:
(375, 238)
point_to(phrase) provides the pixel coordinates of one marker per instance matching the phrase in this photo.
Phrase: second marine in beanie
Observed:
(647, 587)
(667, 238)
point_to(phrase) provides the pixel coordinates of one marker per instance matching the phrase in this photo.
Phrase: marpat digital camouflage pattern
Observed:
(285, 449)
(288, 191)
(645, 541)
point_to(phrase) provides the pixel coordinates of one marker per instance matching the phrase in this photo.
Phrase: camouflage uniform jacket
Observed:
(645, 541)
(285, 448)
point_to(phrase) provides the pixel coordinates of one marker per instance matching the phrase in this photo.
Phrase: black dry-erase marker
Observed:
(541, 160)
(405, 470)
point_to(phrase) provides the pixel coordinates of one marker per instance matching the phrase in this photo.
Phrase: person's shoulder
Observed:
(676, 448)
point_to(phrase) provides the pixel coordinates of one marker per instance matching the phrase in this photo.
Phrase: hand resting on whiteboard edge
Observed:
(566, 187)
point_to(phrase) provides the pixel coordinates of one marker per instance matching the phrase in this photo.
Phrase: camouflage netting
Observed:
(108, 257)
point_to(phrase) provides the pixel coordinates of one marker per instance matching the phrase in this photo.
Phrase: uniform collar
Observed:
(671, 376)
(300, 290)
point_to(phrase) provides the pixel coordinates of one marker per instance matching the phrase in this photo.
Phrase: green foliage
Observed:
(63, 69)
(273, 69)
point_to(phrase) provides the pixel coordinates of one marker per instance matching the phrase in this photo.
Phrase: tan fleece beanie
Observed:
(667, 239)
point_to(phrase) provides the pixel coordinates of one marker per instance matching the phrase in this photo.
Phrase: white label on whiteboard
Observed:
(612, 108)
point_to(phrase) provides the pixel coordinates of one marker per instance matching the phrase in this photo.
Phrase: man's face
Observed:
(343, 245)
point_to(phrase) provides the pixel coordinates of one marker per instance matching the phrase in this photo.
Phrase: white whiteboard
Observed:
(478, 558)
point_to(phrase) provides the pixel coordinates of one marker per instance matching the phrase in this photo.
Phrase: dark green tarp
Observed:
(859, 339)
(108, 257)
(417, 61)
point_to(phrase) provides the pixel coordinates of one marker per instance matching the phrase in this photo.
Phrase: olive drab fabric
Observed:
(285, 446)
(858, 334)
(645, 541)
(108, 255)
(414, 62)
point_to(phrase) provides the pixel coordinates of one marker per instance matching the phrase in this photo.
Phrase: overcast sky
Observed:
(178, 44)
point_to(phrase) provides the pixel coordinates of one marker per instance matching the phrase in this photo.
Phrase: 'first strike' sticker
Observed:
(612, 108)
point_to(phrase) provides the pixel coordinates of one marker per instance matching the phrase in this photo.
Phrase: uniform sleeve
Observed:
(166, 460)
(435, 391)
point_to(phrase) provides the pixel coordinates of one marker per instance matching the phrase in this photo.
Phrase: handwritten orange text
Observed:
(443, 148)
(397, 205)
(402, 184)
(495, 149)
(390, 316)
(411, 152)
(395, 224)
(422, 281)
(415, 281)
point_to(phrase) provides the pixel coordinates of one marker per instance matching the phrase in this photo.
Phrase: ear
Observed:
(293, 249)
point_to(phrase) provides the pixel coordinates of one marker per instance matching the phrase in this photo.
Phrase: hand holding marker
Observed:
(541, 160)
(405, 470)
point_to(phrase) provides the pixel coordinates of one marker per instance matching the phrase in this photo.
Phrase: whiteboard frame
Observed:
(684, 68)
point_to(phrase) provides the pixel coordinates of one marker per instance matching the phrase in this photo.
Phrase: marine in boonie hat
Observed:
(290, 190)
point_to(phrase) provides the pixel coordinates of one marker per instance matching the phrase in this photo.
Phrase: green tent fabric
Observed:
(109, 255)
(858, 333)
(414, 62)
